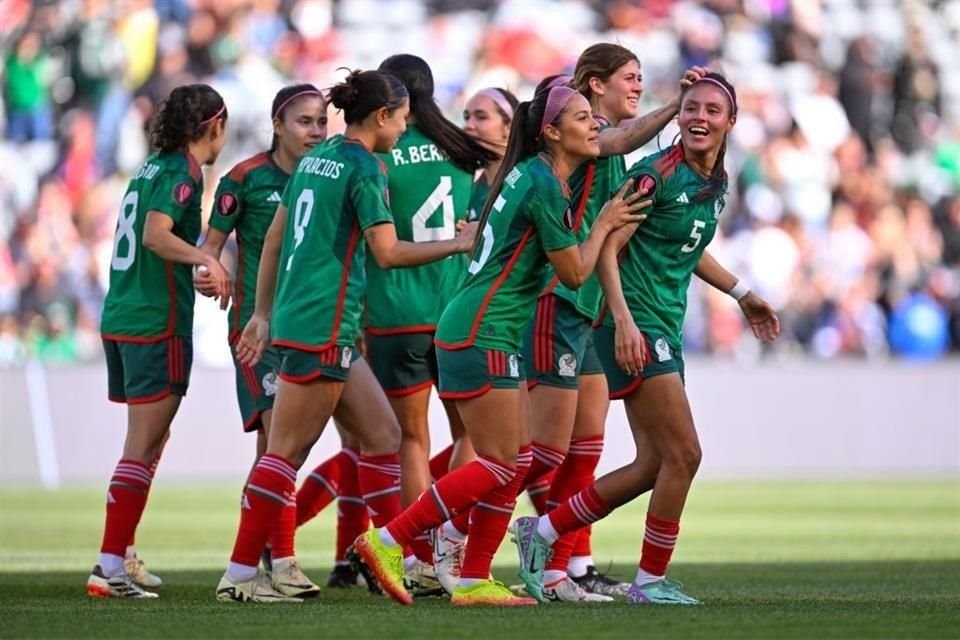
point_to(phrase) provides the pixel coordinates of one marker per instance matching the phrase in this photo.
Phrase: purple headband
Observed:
(557, 98)
(306, 92)
(559, 81)
(214, 116)
(498, 99)
(733, 103)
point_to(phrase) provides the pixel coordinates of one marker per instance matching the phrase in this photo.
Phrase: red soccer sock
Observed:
(582, 509)
(126, 498)
(574, 475)
(269, 490)
(440, 463)
(539, 491)
(352, 516)
(455, 493)
(545, 460)
(582, 547)
(380, 483)
(658, 542)
(490, 519)
(283, 532)
(461, 521)
(319, 488)
(153, 472)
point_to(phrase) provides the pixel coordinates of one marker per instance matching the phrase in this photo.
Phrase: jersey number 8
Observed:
(125, 231)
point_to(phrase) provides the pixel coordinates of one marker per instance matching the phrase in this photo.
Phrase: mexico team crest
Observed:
(513, 366)
(269, 383)
(567, 365)
(662, 349)
(346, 355)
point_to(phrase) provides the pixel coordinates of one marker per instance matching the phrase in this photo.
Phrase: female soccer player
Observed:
(429, 173)
(646, 295)
(147, 321)
(568, 392)
(487, 117)
(246, 200)
(526, 222)
(310, 288)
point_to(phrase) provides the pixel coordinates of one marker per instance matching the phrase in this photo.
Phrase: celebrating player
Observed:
(487, 117)
(646, 296)
(147, 322)
(526, 222)
(310, 288)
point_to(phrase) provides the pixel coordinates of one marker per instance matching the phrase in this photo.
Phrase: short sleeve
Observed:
(553, 217)
(173, 194)
(227, 205)
(371, 198)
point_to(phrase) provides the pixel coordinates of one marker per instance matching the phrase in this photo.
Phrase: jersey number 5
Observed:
(302, 212)
(126, 231)
(695, 236)
(487, 237)
(442, 197)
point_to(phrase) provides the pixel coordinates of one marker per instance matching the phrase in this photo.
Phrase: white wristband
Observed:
(739, 290)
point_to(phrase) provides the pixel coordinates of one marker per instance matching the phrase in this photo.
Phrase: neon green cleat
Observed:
(488, 593)
(385, 563)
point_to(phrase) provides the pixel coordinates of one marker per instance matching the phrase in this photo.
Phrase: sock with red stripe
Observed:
(269, 490)
(582, 509)
(380, 483)
(352, 516)
(455, 493)
(539, 491)
(574, 475)
(126, 498)
(283, 532)
(545, 460)
(440, 463)
(319, 488)
(489, 521)
(130, 551)
(659, 540)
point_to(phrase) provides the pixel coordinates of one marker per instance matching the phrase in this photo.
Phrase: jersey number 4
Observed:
(442, 197)
(127, 232)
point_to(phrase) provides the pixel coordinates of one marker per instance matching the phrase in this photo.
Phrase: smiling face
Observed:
(302, 125)
(576, 132)
(618, 96)
(390, 125)
(483, 122)
(705, 117)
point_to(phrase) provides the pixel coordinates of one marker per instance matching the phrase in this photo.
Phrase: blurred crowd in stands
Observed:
(844, 163)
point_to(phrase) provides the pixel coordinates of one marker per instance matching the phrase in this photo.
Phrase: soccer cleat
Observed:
(659, 592)
(488, 593)
(534, 554)
(593, 581)
(343, 576)
(385, 564)
(364, 574)
(256, 589)
(566, 590)
(447, 558)
(288, 578)
(266, 559)
(421, 581)
(121, 586)
(135, 569)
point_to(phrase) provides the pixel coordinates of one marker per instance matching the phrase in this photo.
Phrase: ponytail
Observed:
(363, 92)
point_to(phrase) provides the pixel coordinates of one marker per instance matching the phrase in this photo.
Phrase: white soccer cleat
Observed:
(256, 589)
(447, 559)
(421, 581)
(288, 578)
(121, 586)
(135, 569)
(566, 590)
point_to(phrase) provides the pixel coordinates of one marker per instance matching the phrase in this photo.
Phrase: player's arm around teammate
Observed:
(147, 322)
(525, 223)
(310, 289)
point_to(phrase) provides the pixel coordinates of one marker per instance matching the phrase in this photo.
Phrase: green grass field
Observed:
(769, 559)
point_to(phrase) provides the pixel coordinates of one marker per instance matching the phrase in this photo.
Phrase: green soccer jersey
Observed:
(660, 258)
(246, 201)
(531, 216)
(150, 298)
(592, 185)
(337, 191)
(428, 196)
(478, 197)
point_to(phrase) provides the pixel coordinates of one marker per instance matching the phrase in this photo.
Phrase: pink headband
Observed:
(306, 92)
(557, 98)
(559, 81)
(215, 116)
(498, 99)
(733, 103)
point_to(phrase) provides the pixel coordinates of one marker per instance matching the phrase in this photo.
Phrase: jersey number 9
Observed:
(302, 212)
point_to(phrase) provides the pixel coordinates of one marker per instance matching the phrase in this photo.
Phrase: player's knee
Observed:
(383, 441)
(686, 458)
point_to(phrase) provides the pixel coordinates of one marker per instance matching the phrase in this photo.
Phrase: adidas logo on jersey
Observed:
(683, 198)
(274, 197)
